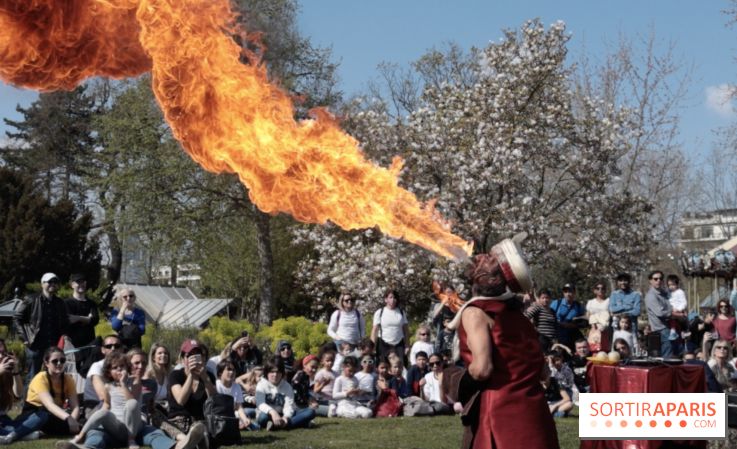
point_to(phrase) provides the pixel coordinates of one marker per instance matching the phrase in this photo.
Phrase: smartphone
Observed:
(198, 358)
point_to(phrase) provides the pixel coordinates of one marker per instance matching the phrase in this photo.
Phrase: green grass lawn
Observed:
(440, 432)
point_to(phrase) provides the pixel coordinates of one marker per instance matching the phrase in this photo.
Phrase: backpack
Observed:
(222, 425)
(388, 404)
(414, 406)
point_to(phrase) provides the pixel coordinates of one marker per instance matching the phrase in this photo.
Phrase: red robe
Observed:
(513, 412)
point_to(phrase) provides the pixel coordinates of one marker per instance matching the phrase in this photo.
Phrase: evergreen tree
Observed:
(37, 236)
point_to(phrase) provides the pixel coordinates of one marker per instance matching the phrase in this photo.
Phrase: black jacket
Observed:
(29, 318)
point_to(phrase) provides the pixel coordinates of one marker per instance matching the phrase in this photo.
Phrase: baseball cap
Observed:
(189, 346)
(569, 287)
(48, 277)
(77, 277)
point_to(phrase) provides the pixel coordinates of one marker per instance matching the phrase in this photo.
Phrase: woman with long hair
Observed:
(159, 367)
(723, 370)
(11, 387)
(53, 394)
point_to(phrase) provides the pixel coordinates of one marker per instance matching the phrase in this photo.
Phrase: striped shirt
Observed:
(543, 318)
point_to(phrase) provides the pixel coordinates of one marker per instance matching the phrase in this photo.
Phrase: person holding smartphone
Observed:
(189, 388)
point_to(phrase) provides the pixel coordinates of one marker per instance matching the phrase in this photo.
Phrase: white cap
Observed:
(48, 276)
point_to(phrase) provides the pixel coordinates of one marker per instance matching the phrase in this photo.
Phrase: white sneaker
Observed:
(193, 437)
(332, 409)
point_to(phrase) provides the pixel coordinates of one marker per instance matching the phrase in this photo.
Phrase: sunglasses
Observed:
(285, 348)
(423, 334)
(348, 300)
(722, 347)
(435, 363)
(657, 279)
(113, 346)
(58, 361)
(129, 296)
(724, 306)
(367, 362)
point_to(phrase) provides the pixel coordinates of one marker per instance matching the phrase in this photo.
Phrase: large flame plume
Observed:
(226, 114)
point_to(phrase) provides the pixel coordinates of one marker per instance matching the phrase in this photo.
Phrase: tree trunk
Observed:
(266, 268)
(173, 276)
(116, 254)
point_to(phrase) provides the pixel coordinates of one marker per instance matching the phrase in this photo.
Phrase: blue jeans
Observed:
(24, 423)
(147, 436)
(666, 349)
(301, 418)
(34, 362)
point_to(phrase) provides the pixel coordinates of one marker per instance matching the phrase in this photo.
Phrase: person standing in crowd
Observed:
(40, 321)
(625, 333)
(83, 317)
(128, 320)
(624, 300)
(422, 343)
(500, 386)
(390, 331)
(724, 322)
(597, 313)
(543, 318)
(347, 324)
(659, 312)
(568, 313)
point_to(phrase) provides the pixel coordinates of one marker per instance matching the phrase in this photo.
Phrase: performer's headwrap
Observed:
(499, 274)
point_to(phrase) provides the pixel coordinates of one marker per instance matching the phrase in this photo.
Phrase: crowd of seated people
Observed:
(130, 398)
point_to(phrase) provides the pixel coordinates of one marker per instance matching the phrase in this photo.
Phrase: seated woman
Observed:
(48, 394)
(120, 414)
(189, 388)
(159, 367)
(275, 400)
(226, 385)
(128, 320)
(24, 426)
(431, 386)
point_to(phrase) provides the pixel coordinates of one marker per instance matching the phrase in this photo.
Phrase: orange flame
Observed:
(227, 115)
(449, 299)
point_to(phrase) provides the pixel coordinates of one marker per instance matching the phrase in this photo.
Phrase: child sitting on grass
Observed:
(346, 392)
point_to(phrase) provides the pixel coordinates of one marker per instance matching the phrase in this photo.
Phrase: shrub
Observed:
(222, 330)
(305, 336)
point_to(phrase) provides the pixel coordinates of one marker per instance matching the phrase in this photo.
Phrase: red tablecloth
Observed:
(644, 379)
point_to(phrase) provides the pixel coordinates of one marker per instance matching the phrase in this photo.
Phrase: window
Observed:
(707, 232)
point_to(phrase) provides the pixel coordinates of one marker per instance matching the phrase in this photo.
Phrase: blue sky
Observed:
(363, 34)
